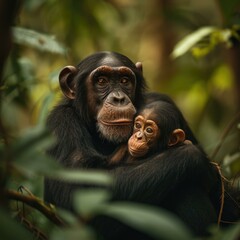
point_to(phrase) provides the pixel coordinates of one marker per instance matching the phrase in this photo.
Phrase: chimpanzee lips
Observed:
(117, 122)
(137, 152)
(137, 147)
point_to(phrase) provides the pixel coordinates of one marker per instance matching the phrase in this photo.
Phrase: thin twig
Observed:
(38, 204)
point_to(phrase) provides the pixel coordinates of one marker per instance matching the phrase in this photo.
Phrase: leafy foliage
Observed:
(37, 40)
(191, 40)
(204, 40)
(156, 223)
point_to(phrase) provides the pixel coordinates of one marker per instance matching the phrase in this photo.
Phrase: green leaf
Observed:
(87, 201)
(190, 40)
(74, 233)
(69, 217)
(29, 151)
(95, 177)
(37, 40)
(36, 164)
(33, 139)
(157, 223)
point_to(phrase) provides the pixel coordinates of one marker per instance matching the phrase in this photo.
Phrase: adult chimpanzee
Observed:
(102, 95)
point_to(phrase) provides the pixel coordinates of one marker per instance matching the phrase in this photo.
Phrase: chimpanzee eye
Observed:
(125, 80)
(138, 125)
(102, 81)
(149, 130)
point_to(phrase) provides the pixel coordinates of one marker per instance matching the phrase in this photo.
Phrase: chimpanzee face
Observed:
(150, 134)
(114, 91)
(145, 135)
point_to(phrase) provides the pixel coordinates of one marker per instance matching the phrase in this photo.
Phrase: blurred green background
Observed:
(206, 88)
(189, 50)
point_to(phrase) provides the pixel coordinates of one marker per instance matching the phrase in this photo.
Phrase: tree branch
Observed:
(38, 204)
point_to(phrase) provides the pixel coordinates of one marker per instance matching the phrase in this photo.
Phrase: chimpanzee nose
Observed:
(118, 99)
(139, 135)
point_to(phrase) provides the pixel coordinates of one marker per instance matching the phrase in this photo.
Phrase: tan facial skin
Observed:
(146, 134)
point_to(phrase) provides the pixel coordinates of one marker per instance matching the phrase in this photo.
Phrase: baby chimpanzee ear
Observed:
(66, 77)
(177, 136)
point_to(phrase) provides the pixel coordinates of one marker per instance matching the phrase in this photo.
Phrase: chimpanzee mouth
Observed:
(137, 153)
(117, 122)
(116, 131)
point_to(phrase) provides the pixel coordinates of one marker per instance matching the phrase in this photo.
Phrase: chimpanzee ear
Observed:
(66, 77)
(139, 66)
(177, 136)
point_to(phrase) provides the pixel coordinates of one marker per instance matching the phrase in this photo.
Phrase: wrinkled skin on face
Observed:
(114, 89)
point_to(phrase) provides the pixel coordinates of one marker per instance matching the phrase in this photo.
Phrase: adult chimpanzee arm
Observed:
(153, 179)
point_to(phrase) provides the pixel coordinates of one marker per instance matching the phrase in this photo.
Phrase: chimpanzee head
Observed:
(106, 88)
(158, 126)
